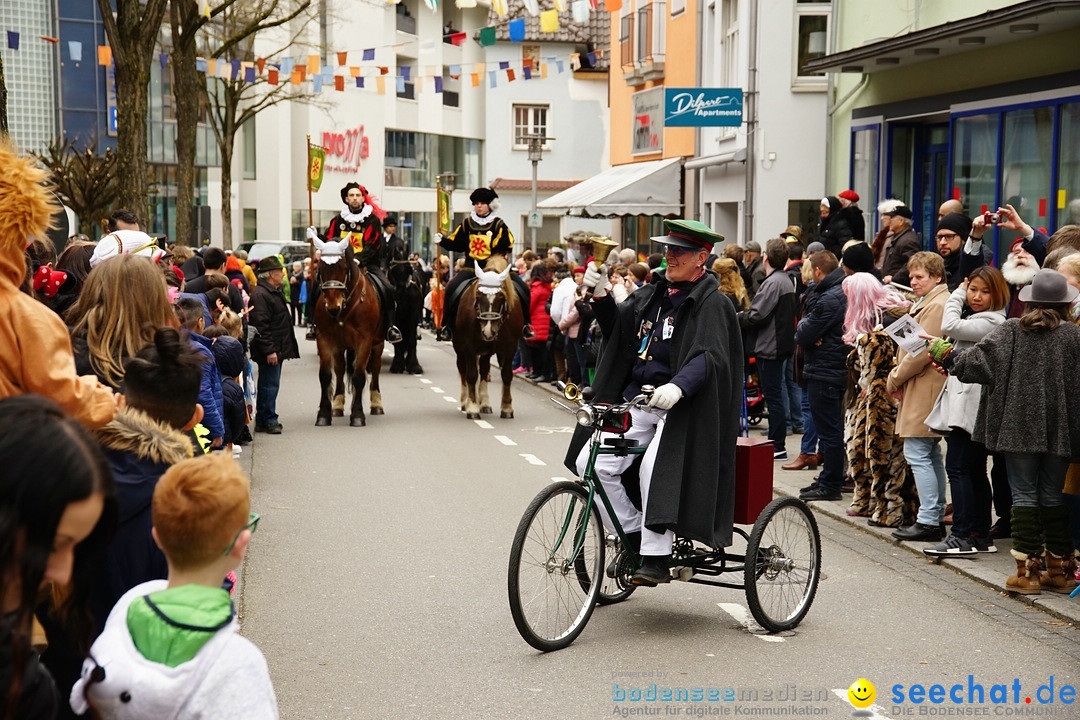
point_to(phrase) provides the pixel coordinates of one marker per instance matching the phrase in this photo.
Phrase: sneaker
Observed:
(952, 546)
(519, 370)
(779, 455)
(983, 545)
(809, 487)
(820, 493)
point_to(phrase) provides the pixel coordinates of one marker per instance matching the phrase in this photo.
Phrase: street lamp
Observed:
(536, 151)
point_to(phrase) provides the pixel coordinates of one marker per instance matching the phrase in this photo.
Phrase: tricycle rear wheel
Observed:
(783, 564)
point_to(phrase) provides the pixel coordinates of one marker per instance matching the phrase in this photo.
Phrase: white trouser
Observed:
(647, 428)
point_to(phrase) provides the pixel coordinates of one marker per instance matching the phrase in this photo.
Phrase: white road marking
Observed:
(560, 479)
(447, 398)
(436, 390)
(484, 425)
(425, 381)
(532, 459)
(742, 616)
(874, 712)
(505, 440)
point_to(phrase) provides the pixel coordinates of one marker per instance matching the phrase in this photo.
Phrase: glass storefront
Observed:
(974, 166)
(1067, 197)
(864, 172)
(413, 159)
(1026, 161)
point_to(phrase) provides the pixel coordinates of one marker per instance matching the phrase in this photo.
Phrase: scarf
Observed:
(349, 216)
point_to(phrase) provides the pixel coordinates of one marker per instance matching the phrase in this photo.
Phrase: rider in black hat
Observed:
(360, 221)
(480, 236)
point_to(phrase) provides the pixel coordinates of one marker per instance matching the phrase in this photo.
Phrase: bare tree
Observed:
(132, 32)
(230, 24)
(88, 182)
(232, 101)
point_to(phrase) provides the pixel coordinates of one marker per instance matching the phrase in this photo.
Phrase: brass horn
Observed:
(571, 392)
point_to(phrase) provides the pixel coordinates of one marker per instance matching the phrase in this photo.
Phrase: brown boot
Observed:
(1059, 573)
(819, 459)
(1026, 579)
(803, 462)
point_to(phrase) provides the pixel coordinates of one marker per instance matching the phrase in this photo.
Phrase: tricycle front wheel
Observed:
(552, 588)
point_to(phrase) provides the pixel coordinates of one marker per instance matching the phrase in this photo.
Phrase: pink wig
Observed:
(867, 301)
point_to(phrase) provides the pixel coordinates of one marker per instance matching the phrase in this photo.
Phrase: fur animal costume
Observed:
(35, 349)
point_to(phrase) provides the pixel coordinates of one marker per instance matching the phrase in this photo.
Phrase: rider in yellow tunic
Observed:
(480, 236)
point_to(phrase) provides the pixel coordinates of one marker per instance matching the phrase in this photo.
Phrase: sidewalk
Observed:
(990, 569)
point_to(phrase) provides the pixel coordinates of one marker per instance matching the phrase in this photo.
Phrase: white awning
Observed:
(644, 188)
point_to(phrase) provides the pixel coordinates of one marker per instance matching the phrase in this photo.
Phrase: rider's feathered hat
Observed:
(349, 186)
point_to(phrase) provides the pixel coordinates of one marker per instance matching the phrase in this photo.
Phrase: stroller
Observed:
(755, 400)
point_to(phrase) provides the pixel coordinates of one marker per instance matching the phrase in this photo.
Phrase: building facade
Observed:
(977, 101)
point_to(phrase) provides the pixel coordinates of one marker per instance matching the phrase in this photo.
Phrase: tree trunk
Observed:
(186, 80)
(3, 100)
(226, 148)
(132, 82)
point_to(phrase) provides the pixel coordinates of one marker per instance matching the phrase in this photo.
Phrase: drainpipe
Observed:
(751, 124)
(698, 175)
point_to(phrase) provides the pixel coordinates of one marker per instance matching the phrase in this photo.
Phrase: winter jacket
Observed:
(1032, 400)
(899, 252)
(962, 399)
(915, 375)
(227, 677)
(771, 318)
(833, 233)
(38, 697)
(272, 321)
(823, 320)
(209, 387)
(139, 450)
(539, 294)
(36, 355)
(229, 354)
(853, 216)
(562, 297)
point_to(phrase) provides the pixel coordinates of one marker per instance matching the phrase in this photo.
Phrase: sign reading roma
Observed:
(346, 151)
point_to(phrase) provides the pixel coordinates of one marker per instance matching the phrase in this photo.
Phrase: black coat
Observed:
(38, 699)
(833, 233)
(272, 321)
(823, 319)
(855, 220)
(693, 484)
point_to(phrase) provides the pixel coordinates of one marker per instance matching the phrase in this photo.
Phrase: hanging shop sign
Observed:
(703, 107)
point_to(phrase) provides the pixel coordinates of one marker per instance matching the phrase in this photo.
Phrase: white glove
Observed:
(665, 396)
(312, 234)
(438, 238)
(596, 280)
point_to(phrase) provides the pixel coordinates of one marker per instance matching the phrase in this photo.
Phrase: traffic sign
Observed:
(535, 220)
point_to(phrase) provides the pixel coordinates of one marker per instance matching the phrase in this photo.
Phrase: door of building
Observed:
(931, 180)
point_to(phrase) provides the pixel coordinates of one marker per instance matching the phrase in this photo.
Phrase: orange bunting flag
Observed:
(527, 63)
(272, 77)
(261, 64)
(354, 71)
(510, 74)
(339, 82)
(313, 64)
(380, 84)
(342, 58)
(383, 70)
(295, 79)
(475, 79)
(46, 38)
(613, 5)
(104, 55)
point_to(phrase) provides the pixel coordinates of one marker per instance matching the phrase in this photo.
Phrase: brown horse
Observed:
(350, 334)
(489, 321)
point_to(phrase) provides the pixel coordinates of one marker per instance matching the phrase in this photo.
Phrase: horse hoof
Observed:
(395, 370)
(473, 416)
(486, 410)
(376, 411)
(507, 414)
(338, 413)
(416, 370)
(357, 422)
(322, 421)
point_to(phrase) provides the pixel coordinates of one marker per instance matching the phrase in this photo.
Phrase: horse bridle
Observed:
(492, 316)
(339, 285)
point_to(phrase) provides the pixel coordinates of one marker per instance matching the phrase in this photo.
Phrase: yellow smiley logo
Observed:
(862, 693)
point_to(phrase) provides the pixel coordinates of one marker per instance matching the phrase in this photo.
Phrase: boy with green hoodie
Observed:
(171, 649)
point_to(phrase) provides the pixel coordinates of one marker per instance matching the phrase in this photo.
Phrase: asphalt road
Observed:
(376, 587)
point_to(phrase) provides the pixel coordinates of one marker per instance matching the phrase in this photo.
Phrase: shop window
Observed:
(1026, 162)
(864, 171)
(1067, 199)
(251, 226)
(530, 120)
(811, 41)
(974, 165)
(249, 149)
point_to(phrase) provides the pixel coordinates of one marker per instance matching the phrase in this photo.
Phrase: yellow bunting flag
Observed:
(354, 71)
(211, 67)
(313, 64)
(475, 79)
(316, 164)
(479, 68)
(543, 70)
(380, 85)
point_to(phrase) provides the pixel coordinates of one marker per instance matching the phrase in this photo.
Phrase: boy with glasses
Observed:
(175, 644)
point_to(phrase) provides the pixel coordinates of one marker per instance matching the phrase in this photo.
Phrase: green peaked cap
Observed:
(689, 234)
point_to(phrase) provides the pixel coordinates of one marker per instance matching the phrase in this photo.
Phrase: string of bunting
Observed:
(297, 71)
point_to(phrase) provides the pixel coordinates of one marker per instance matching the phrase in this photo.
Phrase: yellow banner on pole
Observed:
(316, 161)
(444, 211)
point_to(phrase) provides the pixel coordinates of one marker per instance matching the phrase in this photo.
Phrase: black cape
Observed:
(693, 484)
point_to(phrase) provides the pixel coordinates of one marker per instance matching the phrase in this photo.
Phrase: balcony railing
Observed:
(626, 40)
(652, 23)
(406, 24)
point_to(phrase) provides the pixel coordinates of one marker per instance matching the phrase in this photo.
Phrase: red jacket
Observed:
(540, 318)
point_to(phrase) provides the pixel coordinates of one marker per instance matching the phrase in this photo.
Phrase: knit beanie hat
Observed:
(957, 223)
(859, 257)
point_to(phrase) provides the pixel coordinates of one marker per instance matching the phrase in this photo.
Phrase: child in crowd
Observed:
(172, 647)
(190, 313)
(35, 349)
(229, 354)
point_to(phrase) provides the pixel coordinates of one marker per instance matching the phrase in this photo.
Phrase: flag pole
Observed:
(311, 223)
(436, 312)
